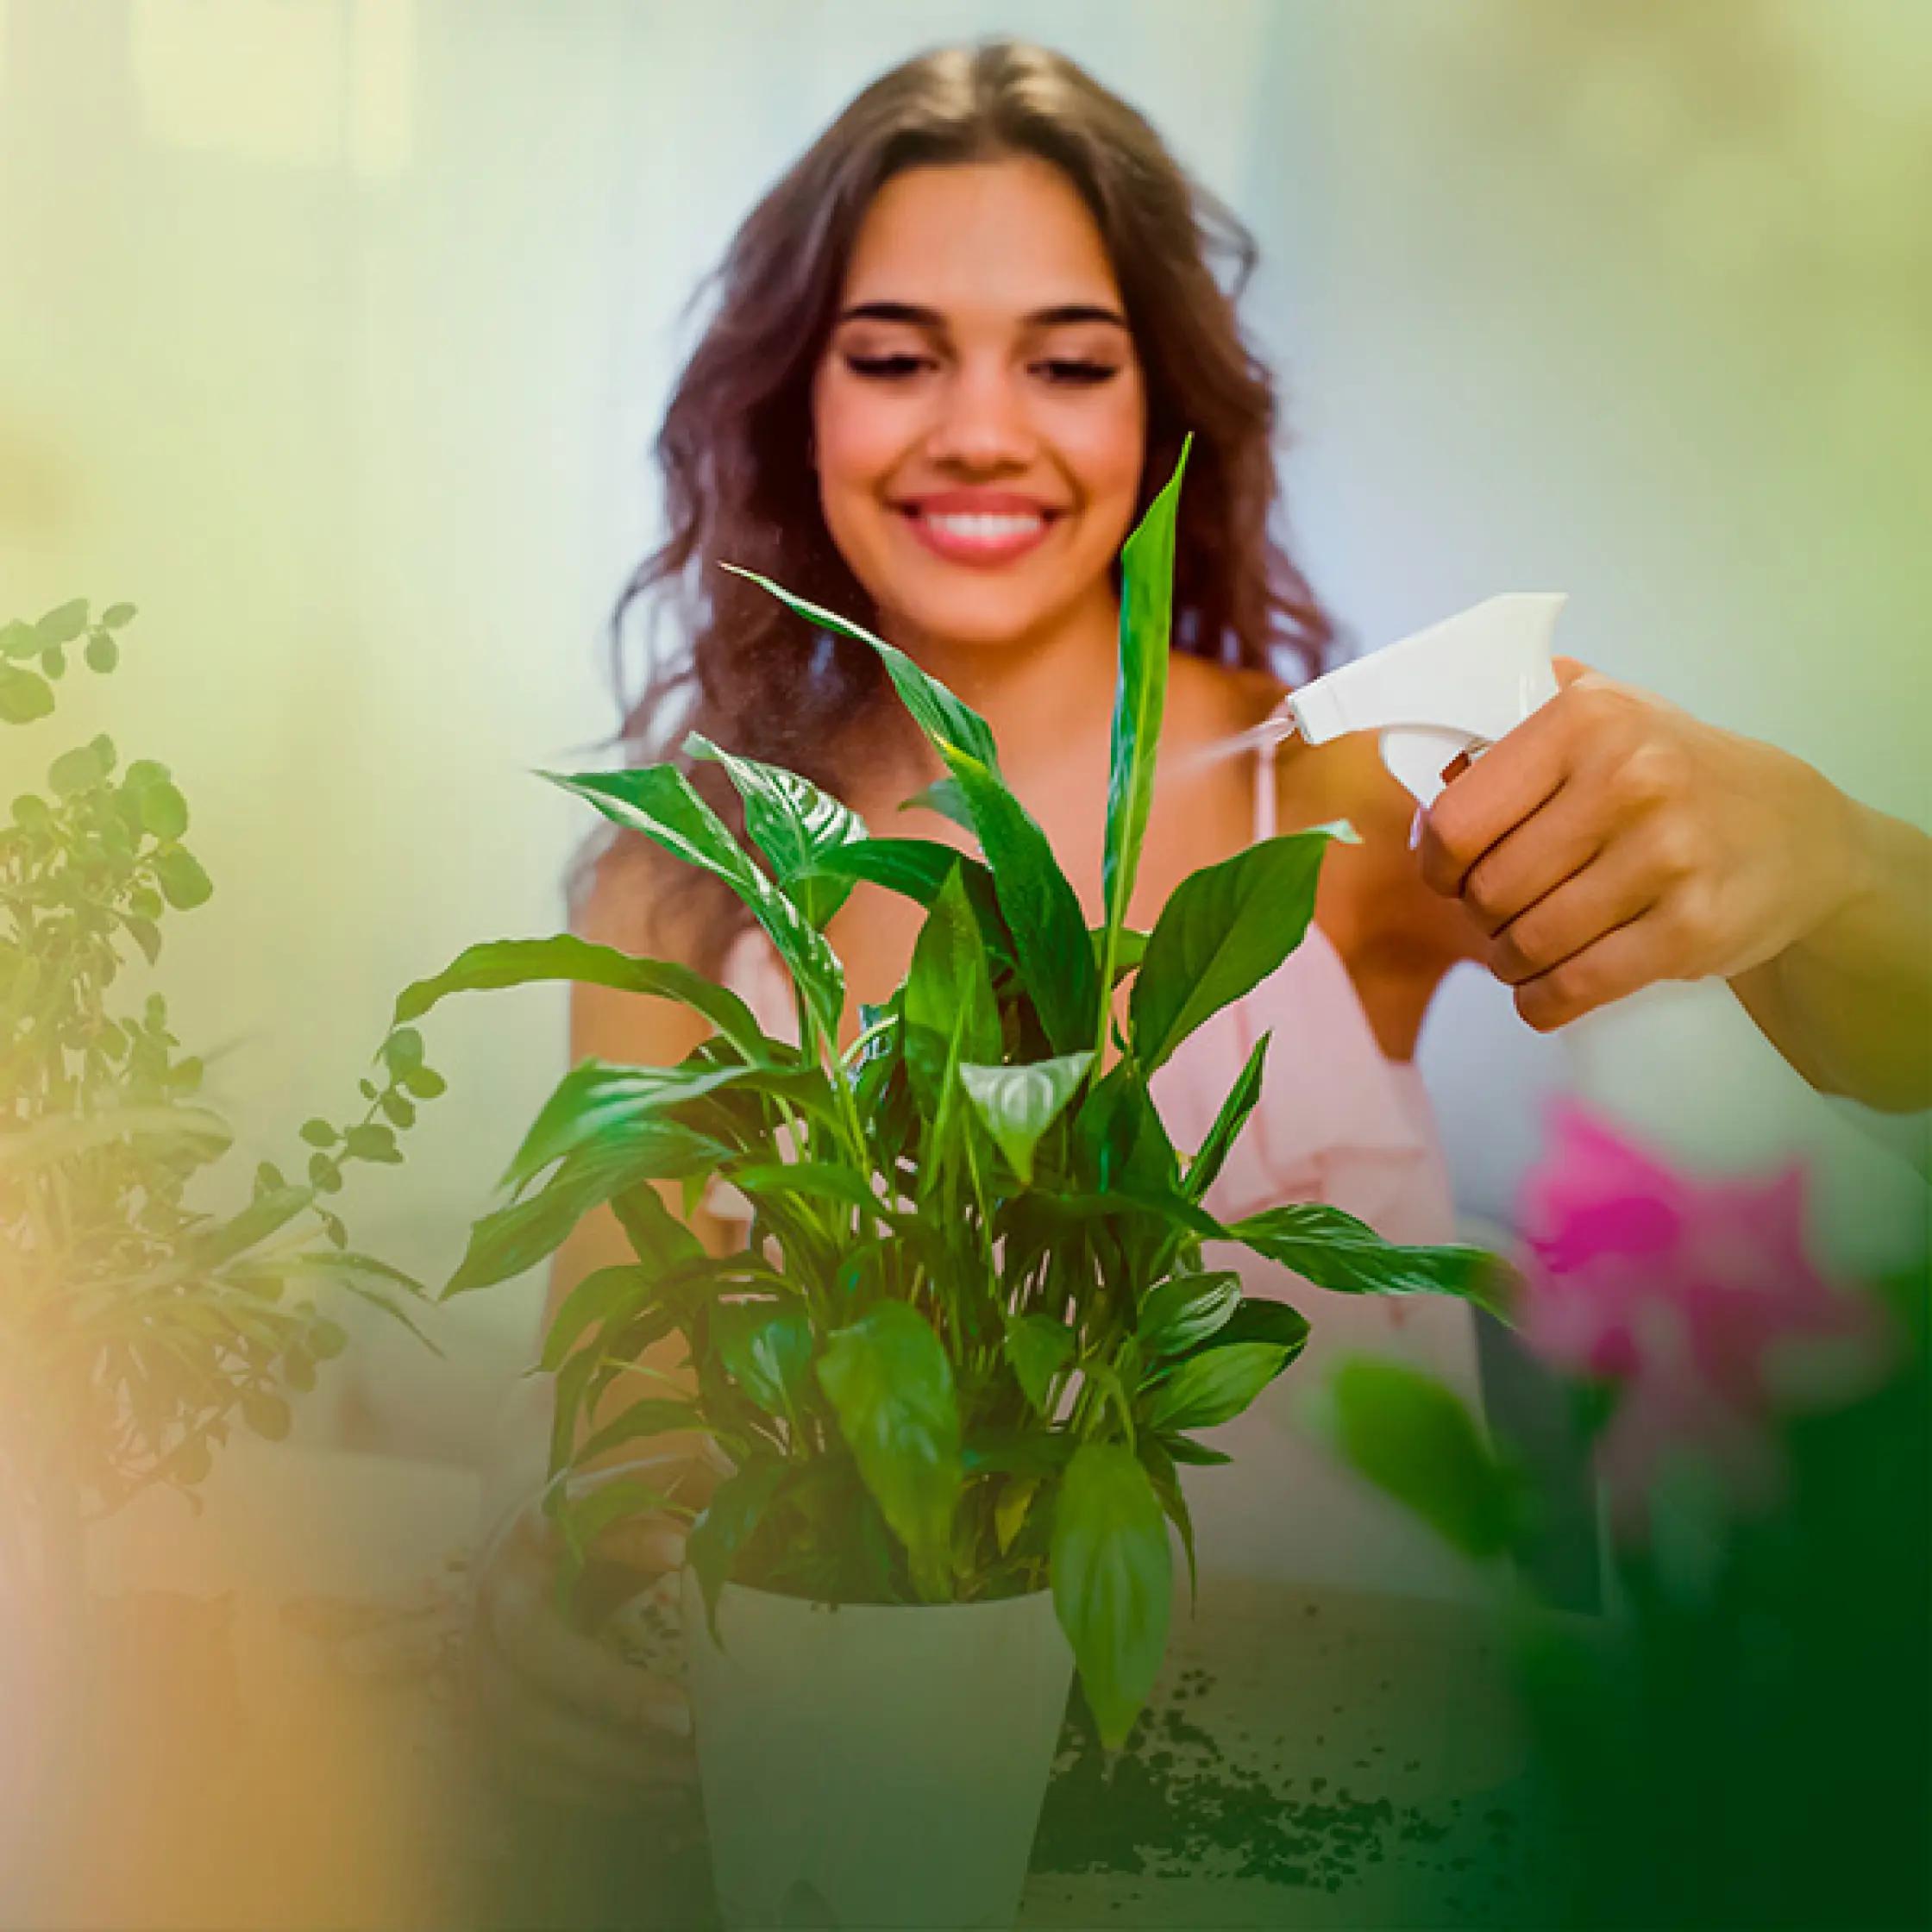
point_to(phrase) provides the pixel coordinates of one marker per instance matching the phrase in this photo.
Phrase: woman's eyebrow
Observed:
(914, 315)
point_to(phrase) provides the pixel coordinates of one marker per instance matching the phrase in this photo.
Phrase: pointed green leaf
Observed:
(1226, 929)
(1215, 1386)
(944, 718)
(1038, 1347)
(183, 882)
(891, 1385)
(659, 801)
(1112, 1581)
(949, 990)
(598, 1099)
(502, 962)
(64, 624)
(519, 1237)
(1019, 1104)
(1146, 608)
(1206, 1166)
(1335, 1250)
(1185, 1310)
(794, 823)
(738, 1507)
(766, 1347)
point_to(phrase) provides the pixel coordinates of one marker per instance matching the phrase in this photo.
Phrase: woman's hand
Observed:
(568, 1721)
(1612, 840)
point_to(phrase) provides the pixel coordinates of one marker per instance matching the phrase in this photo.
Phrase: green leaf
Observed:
(372, 1141)
(659, 801)
(54, 660)
(766, 1347)
(598, 1100)
(1122, 1142)
(652, 1415)
(164, 812)
(145, 935)
(182, 880)
(793, 823)
(944, 797)
(814, 1180)
(402, 1052)
(19, 640)
(116, 615)
(891, 1386)
(1335, 1250)
(1146, 608)
(1040, 907)
(267, 1415)
(659, 1239)
(1214, 1386)
(1205, 1168)
(326, 1339)
(75, 771)
(24, 695)
(1019, 1104)
(425, 1082)
(519, 1237)
(102, 653)
(1038, 1347)
(1260, 1318)
(318, 1134)
(916, 868)
(501, 963)
(265, 1215)
(1112, 1581)
(64, 624)
(737, 1508)
(949, 991)
(1185, 1449)
(944, 719)
(1415, 1440)
(1224, 930)
(1183, 1311)
(609, 1295)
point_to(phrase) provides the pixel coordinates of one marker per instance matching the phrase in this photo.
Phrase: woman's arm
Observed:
(1613, 840)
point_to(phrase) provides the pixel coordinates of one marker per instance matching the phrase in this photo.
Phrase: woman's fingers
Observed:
(1611, 969)
(1603, 896)
(1557, 844)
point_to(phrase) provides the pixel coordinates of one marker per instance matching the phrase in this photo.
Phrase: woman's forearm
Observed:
(1850, 1005)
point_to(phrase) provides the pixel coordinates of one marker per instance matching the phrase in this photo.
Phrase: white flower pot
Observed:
(874, 1765)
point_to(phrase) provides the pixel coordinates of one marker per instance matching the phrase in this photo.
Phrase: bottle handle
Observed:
(1417, 754)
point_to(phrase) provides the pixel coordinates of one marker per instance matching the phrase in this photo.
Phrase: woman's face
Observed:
(979, 415)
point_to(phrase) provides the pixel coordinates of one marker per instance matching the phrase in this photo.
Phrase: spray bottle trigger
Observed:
(1416, 754)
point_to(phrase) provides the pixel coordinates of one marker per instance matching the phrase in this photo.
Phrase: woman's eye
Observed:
(888, 367)
(1078, 373)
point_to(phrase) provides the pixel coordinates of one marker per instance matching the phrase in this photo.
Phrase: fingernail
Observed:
(1415, 828)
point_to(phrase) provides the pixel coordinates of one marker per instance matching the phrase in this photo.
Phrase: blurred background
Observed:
(333, 334)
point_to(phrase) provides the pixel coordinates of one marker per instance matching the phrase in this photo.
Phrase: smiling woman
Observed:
(950, 357)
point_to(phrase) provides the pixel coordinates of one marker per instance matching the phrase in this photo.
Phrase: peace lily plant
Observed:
(971, 1332)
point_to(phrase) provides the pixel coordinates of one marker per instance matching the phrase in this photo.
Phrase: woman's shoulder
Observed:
(624, 906)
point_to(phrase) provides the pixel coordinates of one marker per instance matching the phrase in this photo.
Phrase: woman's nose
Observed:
(982, 422)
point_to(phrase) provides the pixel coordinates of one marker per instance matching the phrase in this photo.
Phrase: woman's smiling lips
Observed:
(986, 527)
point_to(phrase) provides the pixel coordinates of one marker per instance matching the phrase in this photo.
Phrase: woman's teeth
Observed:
(978, 529)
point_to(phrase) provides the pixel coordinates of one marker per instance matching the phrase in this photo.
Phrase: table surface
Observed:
(1312, 1757)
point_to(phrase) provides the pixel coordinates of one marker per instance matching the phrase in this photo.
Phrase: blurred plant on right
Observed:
(1746, 1737)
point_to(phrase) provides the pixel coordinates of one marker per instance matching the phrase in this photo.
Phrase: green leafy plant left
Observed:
(139, 1326)
(973, 1330)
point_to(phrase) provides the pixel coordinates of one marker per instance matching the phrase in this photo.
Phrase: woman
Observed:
(953, 353)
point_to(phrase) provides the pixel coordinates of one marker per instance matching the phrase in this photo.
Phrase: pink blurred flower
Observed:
(1698, 1299)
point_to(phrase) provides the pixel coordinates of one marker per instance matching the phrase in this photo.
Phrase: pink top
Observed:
(1339, 1122)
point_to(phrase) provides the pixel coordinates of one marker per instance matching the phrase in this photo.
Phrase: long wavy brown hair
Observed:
(738, 486)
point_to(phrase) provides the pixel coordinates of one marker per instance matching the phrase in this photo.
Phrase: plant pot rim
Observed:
(751, 1591)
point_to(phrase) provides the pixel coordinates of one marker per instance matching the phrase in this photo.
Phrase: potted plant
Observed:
(971, 1332)
(140, 1322)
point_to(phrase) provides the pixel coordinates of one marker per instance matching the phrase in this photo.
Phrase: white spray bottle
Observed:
(1453, 689)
